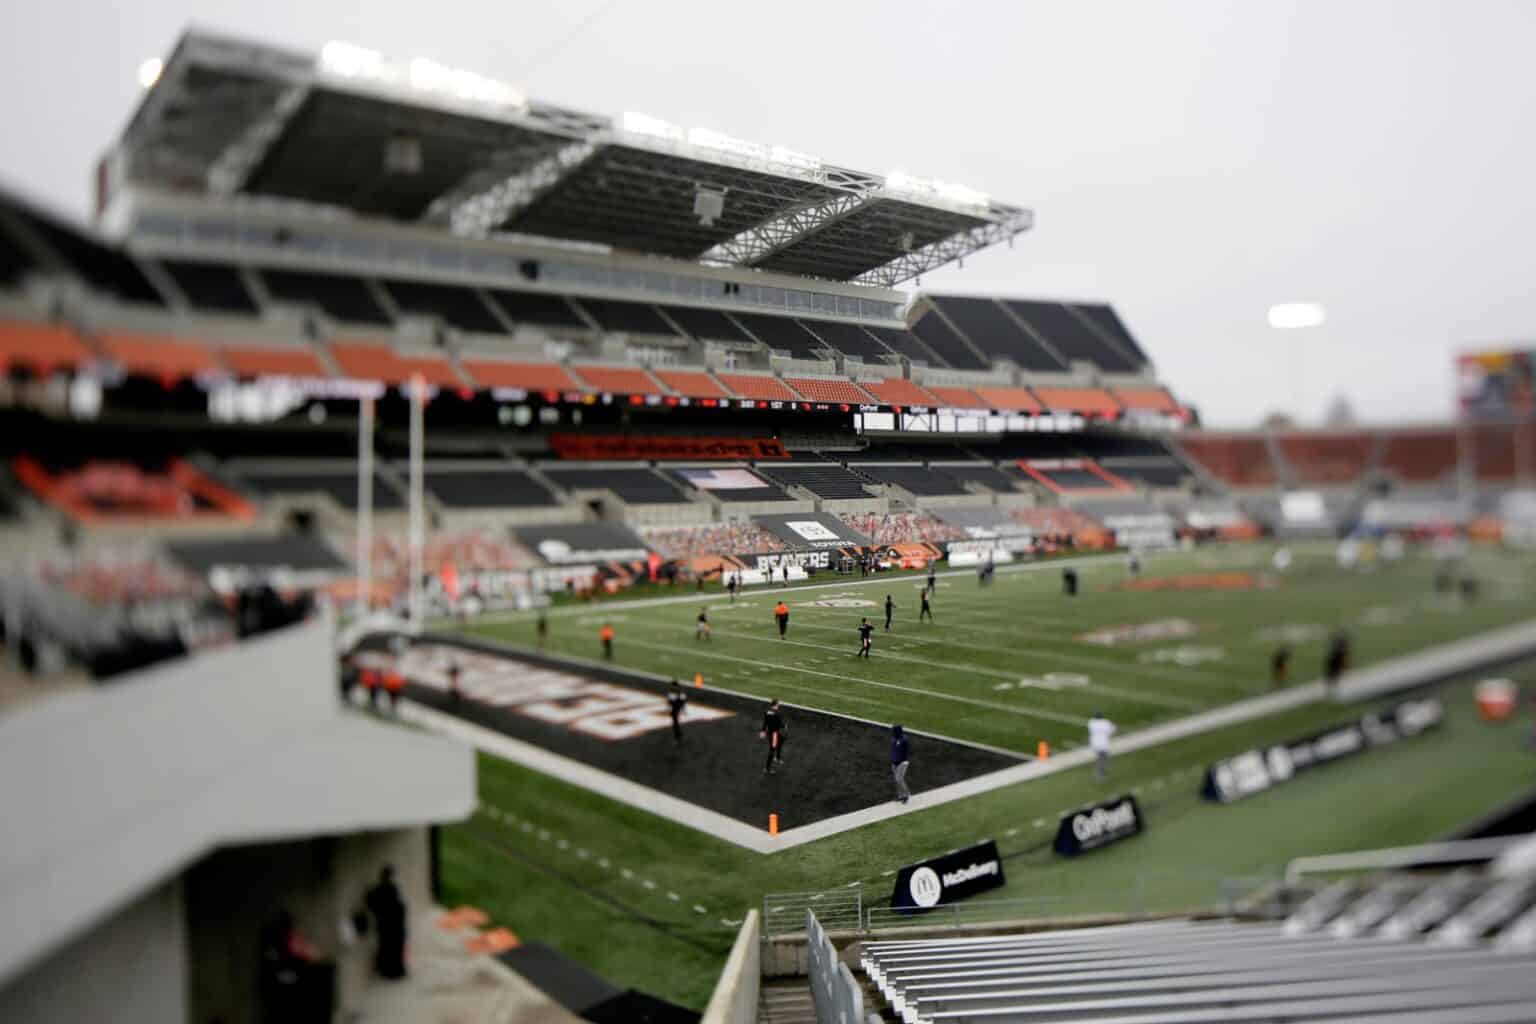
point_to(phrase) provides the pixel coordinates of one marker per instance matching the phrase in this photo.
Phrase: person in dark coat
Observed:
(1336, 663)
(901, 755)
(388, 910)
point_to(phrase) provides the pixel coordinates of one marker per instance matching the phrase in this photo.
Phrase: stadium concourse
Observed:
(545, 410)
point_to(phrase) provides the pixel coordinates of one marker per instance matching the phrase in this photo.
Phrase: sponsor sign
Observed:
(1017, 544)
(946, 879)
(723, 479)
(603, 711)
(804, 559)
(1099, 825)
(1254, 771)
(1139, 632)
(811, 530)
(627, 446)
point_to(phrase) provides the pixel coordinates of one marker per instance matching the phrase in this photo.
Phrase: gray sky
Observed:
(1191, 162)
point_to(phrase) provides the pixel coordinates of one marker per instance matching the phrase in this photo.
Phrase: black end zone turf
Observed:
(832, 765)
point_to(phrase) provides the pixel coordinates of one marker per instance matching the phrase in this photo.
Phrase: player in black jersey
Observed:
(925, 612)
(701, 632)
(677, 703)
(890, 609)
(774, 730)
(932, 580)
(866, 638)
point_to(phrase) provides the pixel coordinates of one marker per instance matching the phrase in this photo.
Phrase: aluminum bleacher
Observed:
(824, 479)
(1188, 972)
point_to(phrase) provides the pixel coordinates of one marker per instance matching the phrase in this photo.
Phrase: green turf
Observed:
(1418, 791)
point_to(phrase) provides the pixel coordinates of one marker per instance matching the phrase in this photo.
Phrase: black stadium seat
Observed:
(535, 308)
(994, 332)
(15, 261)
(916, 479)
(636, 486)
(210, 286)
(1109, 323)
(849, 339)
(104, 268)
(633, 317)
(905, 343)
(946, 344)
(781, 332)
(1071, 336)
(825, 480)
(705, 323)
(340, 486)
(341, 297)
(459, 307)
(487, 488)
(980, 473)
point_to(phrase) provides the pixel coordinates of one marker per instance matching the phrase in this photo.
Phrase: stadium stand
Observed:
(705, 324)
(1236, 460)
(958, 398)
(757, 386)
(486, 488)
(899, 391)
(339, 485)
(250, 363)
(902, 527)
(637, 486)
(1071, 336)
(849, 339)
(1091, 403)
(819, 389)
(1147, 400)
(151, 487)
(916, 479)
(15, 261)
(1326, 459)
(210, 287)
(992, 331)
(978, 473)
(784, 334)
(455, 306)
(539, 310)
(1110, 326)
(895, 451)
(1420, 456)
(933, 331)
(737, 490)
(42, 348)
(378, 362)
(1149, 472)
(1057, 520)
(825, 480)
(1072, 475)
(733, 538)
(619, 380)
(627, 317)
(158, 356)
(492, 373)
(691, 383)
(102, 267)
(1009, 399)
(905, 343)
(340, 297)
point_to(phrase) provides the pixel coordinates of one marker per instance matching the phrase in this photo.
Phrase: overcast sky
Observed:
(1190, 162)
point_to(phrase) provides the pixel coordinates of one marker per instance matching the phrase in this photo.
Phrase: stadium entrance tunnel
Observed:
(618, 723)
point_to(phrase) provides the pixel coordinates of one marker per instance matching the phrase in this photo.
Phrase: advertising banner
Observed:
(946, 879)
(628, 446)
(1254, 771)
(812, 530)
(1099, 825)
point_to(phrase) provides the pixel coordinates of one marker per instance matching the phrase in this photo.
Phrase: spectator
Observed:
(388, 909)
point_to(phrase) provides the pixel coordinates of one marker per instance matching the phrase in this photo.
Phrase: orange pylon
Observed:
(1043, 752)
(698, 679)
(773, 824)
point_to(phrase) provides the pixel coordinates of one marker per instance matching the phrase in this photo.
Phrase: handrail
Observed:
(1450, 852)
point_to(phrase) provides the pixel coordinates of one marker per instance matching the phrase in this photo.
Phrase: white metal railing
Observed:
(838, 997)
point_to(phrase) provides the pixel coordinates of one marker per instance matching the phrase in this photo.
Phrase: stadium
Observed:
(463, 558)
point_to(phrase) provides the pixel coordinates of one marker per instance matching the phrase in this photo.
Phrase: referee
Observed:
(774, 730)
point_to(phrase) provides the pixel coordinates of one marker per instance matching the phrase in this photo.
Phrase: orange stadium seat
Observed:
(1327, 458)
(1009, 399)
(1240, 461)
(526, 376)
(899, 391)
(1421, 456)
(379, 362)
(757, 386)
(274, 362)
(820, 390)
(153, 355)
(619, 380)
(693, 383)
(43, 347)
(1083, 401)
(1150, 400)
(958, 398)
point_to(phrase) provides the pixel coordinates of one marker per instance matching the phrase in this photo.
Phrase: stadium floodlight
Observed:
(794, 158)
(708, 138)
(636, 123)
(960, 195)
(1292, 315)
(708, 204)
(348, 60)
(149, 72)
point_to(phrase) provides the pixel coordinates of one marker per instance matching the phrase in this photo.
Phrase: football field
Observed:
(1016, 662)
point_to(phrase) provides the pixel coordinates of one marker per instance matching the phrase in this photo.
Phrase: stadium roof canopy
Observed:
(414, 140)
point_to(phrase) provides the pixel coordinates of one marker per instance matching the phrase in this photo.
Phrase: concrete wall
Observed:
(131, 967)
(233, 893)
(735, 997)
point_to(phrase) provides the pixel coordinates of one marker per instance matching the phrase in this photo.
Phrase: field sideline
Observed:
(651, 904)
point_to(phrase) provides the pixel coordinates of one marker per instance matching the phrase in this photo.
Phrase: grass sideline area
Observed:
(650, 904)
